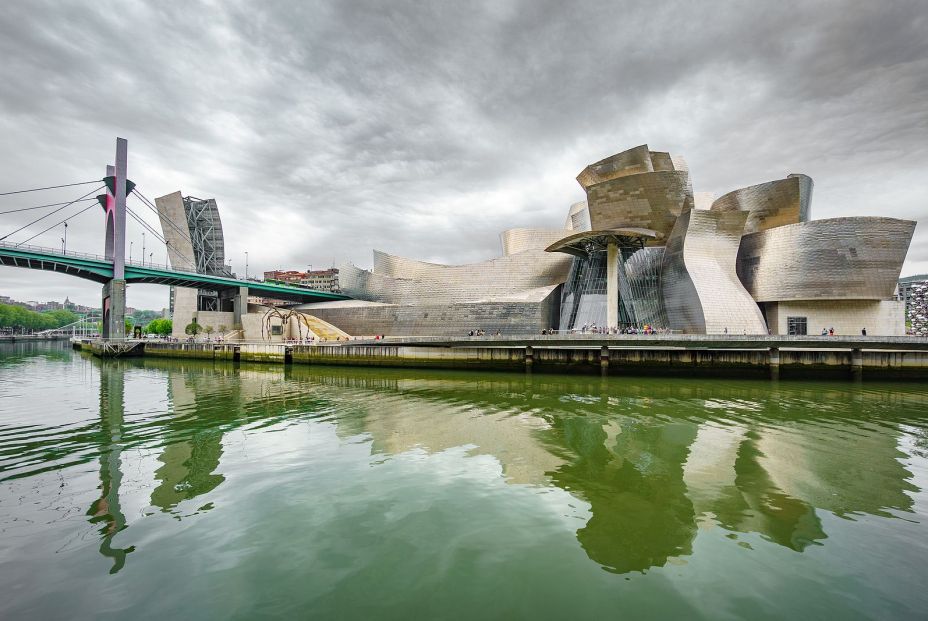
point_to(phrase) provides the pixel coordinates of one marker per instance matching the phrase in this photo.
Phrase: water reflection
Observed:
(106, 510)
(656, 461)
(189, 464)
(631, 473)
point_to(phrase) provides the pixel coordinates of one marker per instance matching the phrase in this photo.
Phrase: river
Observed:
(153, 489)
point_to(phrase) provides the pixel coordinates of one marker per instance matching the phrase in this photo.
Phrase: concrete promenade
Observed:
(688, 355)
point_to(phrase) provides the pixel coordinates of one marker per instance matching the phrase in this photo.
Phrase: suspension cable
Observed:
(56, 224)
(51, 187)
(52, 213)
(80, 200)
(149, 227)
(147, 203)
(157, 235)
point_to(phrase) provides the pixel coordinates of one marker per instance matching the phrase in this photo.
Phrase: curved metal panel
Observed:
(405, 281)
(515, 241)
(631, 162)
(770, 204)
(578, 217)
(651, 200)
(838, 258)
(681, 301)
(699, 279)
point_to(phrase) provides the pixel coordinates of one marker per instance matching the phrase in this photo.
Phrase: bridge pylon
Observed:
(114, 204)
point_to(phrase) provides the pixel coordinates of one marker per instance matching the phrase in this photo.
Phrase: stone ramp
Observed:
(323, 329)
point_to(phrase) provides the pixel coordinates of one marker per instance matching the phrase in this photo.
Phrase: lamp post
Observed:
(143, 248)
(64, 240)
(130, 251)
(246, 265)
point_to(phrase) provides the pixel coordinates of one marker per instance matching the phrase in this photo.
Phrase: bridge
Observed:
(114, 272)
(98, 269)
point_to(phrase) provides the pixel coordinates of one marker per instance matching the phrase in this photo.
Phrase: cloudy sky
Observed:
(326, 129)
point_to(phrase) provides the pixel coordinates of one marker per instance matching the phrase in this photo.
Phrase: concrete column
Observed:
(774, 363)
(114, 309)
(612, 285)
(240, 306)
(857, 364)
(604, 360)
(529, 358)
(119, 209)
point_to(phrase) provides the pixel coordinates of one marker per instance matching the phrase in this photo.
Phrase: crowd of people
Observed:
(594, 329)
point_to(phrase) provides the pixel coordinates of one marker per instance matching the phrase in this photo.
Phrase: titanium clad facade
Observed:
(637, 252)
(837, 258)
(632, 162)
(400, 280)
(515, 241)
(578, 218)
(452, 319)
(649, 200)
(701, 288)
(771, 204)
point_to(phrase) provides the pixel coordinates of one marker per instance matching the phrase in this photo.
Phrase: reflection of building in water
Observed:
(726, 479)
(634, 484)
(191, 460)
(856, 471)
(404, 416)
(189, 463)
(400, 425)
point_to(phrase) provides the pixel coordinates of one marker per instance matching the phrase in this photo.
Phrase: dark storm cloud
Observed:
(326, 129)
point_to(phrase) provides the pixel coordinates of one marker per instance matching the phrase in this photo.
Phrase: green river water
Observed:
(153, 489)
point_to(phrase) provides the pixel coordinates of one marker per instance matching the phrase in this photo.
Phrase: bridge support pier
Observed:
(240, 306)
(114, 309)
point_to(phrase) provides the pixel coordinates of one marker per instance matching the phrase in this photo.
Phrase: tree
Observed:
(163, 327)
(12, 316)
(208, 329)
(222, 329)
(193, 328)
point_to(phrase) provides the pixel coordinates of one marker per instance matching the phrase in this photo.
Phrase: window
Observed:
(796, 326)
(277, 330)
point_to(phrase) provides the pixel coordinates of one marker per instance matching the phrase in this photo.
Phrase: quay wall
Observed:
(785, 363)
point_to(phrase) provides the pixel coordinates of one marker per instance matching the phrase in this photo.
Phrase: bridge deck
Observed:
(99, 269)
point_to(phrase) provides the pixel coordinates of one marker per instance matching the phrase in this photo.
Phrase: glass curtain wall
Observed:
(583, 301)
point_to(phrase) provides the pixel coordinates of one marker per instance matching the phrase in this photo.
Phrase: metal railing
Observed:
(55, 251)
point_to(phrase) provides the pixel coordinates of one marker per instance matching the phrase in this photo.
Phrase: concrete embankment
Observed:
(701, 357)
(16, 338)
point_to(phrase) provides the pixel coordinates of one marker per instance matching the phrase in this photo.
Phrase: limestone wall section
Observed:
(847, 317)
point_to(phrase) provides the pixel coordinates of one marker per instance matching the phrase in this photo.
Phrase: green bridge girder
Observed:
(101, 271)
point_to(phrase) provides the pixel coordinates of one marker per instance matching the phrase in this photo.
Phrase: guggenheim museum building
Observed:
(644, 250)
